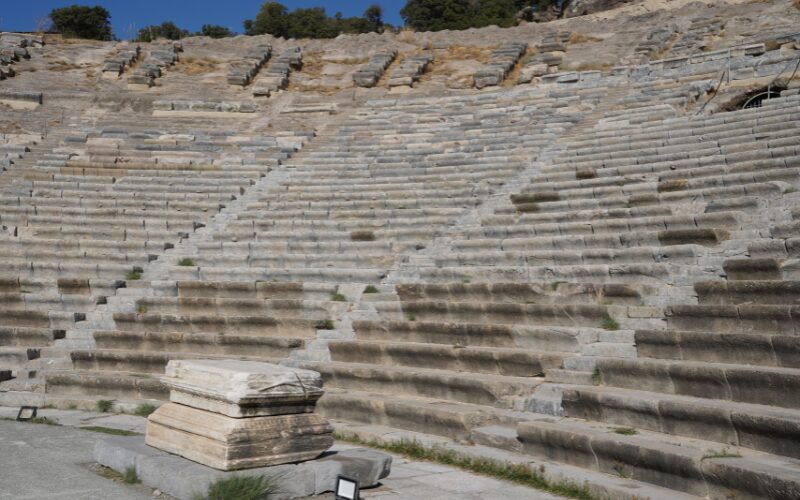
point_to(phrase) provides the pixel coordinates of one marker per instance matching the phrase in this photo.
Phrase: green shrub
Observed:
(104, 405)
(626, 431)
(609, 323)
(370, 289)
(338, 297)
(325, 324)
(186, 262)
(239, 488)
(130, 476)
(133, 276)
(144, 410)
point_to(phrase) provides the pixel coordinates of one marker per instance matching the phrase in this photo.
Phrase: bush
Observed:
(144, 410)
(80, 21)
(325, 324)
(167, 30)
(133, 276)
(239, 488)
(370, 289)
(275, 19)
(130, 476)
(104, 405)
(186, 262)
(215, 31)
(338, 297)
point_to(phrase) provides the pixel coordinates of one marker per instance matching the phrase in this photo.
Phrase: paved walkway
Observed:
(44, 461)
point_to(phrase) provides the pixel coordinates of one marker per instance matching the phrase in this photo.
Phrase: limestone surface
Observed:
(228, 443)
(243, 388)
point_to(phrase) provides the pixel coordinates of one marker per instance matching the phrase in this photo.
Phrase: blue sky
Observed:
(127, 16)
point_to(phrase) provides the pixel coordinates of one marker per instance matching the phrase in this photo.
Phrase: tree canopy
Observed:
(80, 21)
(275, 19)
(167, 29)
(436, 15)
(216, 31)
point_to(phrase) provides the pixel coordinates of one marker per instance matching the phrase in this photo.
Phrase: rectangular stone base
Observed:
(227, 443)
(183, 479)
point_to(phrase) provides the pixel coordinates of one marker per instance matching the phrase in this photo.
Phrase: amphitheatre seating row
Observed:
(410, 70)
(369, 74)
(276, 76)
(122, 59)
(615, 252)
(501, 61)
(95, 211)
(159, 58)
(242, 72)
(548, 57)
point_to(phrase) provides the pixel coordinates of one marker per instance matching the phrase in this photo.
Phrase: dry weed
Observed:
(197, 66)
(581, 38)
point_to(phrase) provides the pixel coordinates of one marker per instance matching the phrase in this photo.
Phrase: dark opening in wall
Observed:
(754, 98)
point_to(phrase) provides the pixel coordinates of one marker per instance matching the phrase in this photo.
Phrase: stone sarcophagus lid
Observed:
(230, 414)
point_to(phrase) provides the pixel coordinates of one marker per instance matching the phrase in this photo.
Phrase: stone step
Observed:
(748, 291)
(200, 344)
(702, 468)
(430, 416)
(105, 385)
(743, 318)
(599, 484)
(488, 390)
(240, 325)
(759, 348)
(491, 360)
(763, 428)
(137, 361)
(727, 382)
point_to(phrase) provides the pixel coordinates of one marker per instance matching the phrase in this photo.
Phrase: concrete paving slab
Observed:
(51, 462)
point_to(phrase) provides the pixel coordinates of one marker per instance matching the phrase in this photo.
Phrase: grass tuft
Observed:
(720, 454)
(239, 488)
(626, 431)
(104, 405)
(144, 410)
(133, 276)
(130, 476)
(338, 297)
(515, 473)
(186, 262)
(370, 289)
(411, 317)
(609, 323)
(141, 308)
(596, 376)
(110, 431)
(325, 324)
(43, 420)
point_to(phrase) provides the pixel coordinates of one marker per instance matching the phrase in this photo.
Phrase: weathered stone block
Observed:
(243, 388)
(228, 443)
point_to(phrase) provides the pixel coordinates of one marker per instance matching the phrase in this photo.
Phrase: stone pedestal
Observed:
(231, 415)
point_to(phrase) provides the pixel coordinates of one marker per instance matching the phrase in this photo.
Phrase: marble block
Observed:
(228, 443)
(243, 388)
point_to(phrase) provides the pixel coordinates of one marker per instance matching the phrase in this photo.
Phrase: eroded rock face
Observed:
(576, 8)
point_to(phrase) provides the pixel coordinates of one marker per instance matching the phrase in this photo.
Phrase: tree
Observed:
(272, 19)
(167, 29)
(80, 21)
(374, 17)
(436, 15)
(215, 31)
(276, 20)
